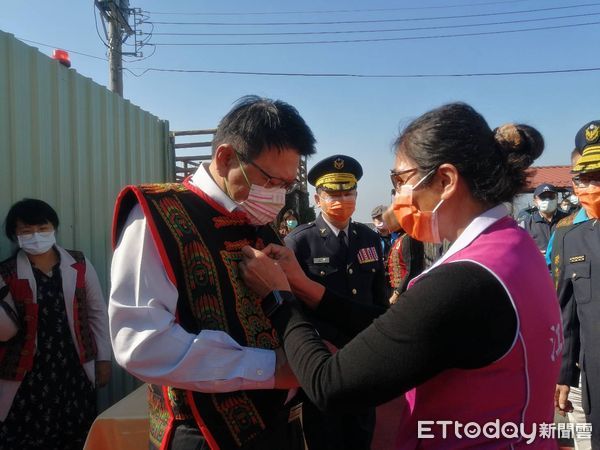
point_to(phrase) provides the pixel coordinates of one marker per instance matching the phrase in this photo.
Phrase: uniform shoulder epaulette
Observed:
(566, 221)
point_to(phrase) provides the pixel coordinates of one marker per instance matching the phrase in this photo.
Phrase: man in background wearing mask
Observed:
(182, 320)
(540, 224)
(346, 257)
(576, 269)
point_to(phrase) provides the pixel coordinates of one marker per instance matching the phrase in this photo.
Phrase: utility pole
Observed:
(116, 13)
(115, 60)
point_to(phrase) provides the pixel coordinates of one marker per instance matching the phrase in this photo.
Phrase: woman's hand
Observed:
(261, 273)
(394, 298)
(286, 259)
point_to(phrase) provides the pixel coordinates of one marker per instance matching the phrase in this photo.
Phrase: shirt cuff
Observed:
(260, 369)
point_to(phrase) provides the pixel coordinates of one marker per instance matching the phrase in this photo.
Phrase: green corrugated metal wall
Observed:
(74, 144)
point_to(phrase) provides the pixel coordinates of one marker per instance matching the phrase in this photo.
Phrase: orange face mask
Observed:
(589, 198)
(339, 210)
(420, 225)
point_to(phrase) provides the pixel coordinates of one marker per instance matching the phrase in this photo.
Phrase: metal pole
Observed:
(115, 57)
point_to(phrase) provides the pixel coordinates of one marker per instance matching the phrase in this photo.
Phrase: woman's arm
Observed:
(439, 323)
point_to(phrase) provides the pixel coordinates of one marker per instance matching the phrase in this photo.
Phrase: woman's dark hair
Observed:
(494, 163)
(31, 212)
(289, 213)
(255, 124)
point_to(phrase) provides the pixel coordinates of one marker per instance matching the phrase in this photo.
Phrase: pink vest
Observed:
(519, 387)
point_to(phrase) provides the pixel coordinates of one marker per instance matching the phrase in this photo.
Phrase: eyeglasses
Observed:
(395, 176)
(588, 179)
(289, 186)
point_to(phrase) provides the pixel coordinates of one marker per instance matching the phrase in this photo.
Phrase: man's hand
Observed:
(103, 371)
(562, 404)
(286, 258)
(261, 273)
(284, 377)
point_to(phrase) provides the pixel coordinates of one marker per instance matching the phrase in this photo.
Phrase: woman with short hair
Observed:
(54, 342)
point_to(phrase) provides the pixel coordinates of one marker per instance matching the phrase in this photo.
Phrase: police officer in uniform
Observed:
(576, 270)
(346, 257)
(541, 223)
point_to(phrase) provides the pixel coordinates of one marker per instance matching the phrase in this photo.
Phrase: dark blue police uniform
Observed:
(576, 270)
(359, 275)
(354, 268)
(540, 229)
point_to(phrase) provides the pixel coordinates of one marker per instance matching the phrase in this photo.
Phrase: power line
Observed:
(439, 27)
(339, 22)
(357, 75)
(269, 13)
(346, 41)
(63, 48)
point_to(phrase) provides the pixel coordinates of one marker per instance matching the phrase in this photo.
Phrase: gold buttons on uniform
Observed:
(350, 271)
(354, 291)
(322, 273)
(373, 270)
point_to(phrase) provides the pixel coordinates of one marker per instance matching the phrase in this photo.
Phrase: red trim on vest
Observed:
(153, 230)
(166, 440)
(80, 267)
(22, 294)
(212, 443)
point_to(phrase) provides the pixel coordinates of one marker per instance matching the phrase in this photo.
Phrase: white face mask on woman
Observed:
(37, 243)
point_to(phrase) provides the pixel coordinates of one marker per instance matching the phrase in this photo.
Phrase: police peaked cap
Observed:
(336, 173)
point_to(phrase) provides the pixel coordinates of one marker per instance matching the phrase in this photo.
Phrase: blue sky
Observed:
(356, 116)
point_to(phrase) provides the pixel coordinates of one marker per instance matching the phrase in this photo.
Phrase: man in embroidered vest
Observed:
(181, 318)
(576, 268)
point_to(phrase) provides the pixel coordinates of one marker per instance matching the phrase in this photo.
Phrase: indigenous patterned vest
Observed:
(16, 355)
(406, 261)
(200, 246)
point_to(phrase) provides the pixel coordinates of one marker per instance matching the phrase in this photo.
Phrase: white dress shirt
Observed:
(337, 230)
(146, 340)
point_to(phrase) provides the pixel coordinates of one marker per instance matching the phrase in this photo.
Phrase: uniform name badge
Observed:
(367, 255)
(323, 260)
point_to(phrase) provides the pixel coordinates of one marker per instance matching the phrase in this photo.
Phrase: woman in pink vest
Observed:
(474, 344)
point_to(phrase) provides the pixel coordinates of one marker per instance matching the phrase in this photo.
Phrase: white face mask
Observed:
(573, 199)
(548, 206)
(37, 243)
